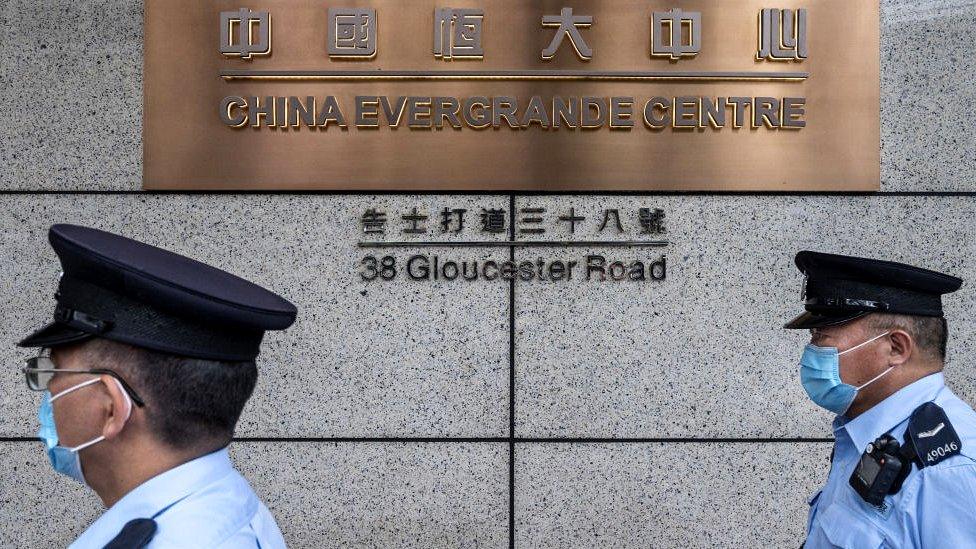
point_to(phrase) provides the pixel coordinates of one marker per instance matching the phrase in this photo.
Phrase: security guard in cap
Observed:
(903, 470)
(145, 370)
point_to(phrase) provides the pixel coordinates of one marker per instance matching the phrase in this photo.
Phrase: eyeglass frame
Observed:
(31, 366)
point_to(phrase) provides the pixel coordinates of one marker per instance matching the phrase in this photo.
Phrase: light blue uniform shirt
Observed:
(203, 503)
(936, 506)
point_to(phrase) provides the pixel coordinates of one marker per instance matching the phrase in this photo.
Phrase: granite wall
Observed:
(471, 414)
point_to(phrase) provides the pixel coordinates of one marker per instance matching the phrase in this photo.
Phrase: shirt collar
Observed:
(157, 494)
(888, 413)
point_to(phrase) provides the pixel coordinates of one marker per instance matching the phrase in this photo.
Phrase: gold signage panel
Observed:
(737, 95)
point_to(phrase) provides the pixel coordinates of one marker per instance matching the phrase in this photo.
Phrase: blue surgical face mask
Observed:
(820, 375)
(63, 459)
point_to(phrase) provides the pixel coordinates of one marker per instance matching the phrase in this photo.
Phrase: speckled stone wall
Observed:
(448, 414)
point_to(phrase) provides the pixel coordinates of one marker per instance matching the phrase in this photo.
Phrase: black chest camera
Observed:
(881, 470)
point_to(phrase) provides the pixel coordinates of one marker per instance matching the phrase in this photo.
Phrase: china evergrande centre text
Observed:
(480, 112)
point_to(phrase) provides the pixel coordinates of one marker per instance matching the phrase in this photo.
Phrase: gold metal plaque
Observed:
(489, 95)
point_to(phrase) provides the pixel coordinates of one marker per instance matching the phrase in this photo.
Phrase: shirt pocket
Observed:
(849, 529)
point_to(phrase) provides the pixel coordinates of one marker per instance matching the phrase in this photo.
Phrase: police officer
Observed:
(145, 371)
(903, 469)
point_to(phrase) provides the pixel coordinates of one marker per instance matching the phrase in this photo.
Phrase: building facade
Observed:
(416, 412)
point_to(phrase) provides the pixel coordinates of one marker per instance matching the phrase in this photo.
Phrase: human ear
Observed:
(119, 408)
(901, 349)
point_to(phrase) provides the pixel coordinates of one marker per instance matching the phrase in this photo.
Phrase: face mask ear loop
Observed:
(877, 377)
(77, 449)
(75, 388)
(879, 336)
(128, 412)
(128, 400)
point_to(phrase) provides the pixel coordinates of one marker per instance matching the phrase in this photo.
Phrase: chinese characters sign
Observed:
(512, 95)
(529, 221)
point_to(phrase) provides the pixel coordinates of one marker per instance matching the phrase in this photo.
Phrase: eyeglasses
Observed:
(40, 369)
